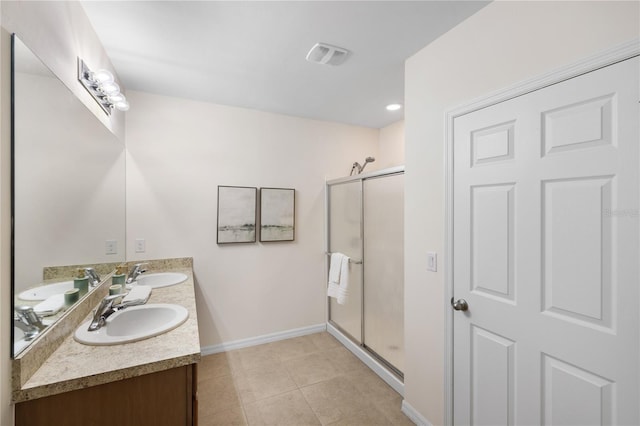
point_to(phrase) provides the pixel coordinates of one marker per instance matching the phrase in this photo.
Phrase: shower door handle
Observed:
(460, 304)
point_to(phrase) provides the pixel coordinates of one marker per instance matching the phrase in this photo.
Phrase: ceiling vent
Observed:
(326, 54)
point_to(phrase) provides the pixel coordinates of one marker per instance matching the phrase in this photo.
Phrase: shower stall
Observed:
(365, 221)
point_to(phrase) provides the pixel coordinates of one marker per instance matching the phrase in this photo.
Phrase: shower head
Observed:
(357, 167)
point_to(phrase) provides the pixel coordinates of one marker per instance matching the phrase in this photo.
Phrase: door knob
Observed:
(460, 304)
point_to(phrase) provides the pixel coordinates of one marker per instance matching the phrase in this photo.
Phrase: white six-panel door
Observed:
(545, 244)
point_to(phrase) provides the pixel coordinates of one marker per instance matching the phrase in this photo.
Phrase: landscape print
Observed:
(277, 214)
(236, 214)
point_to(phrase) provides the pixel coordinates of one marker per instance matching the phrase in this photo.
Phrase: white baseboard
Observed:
(259, 340)
(370, 362)
(413, 415)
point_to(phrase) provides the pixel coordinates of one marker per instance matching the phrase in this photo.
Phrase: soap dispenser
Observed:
(120, 276)
(81, 282)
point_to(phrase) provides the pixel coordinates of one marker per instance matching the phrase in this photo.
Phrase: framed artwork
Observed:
(236, 214)
(277, 214)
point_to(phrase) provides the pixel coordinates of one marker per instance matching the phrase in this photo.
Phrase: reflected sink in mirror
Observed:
(44, 291)
(19, 343)
(133, 324)
(161, 279)
(19, 340)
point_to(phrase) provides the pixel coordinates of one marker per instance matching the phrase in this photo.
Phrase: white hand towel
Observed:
(138, 294)
(343, 289)
(339, 277)
(50, 306)
(334, 267)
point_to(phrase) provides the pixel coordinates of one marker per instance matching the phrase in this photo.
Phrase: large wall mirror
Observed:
(68, 195)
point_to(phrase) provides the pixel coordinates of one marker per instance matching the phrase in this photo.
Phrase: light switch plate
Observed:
(140, 245)
(111, 247)
(432, 261)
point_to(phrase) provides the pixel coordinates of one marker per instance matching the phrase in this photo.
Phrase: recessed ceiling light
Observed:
(393, 107)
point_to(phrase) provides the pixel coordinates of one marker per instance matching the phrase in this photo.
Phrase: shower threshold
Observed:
(386, 372)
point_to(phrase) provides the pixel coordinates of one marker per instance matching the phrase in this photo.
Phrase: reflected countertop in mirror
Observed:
(69, 180)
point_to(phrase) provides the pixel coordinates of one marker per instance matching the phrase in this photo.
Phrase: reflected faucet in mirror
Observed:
(94, 278)
(28, 321)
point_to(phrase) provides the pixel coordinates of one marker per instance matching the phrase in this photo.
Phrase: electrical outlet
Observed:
(140, 245)
(432, 261)
(111, 247)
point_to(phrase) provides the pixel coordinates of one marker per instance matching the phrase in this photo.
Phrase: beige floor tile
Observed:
(369, 417)
(392, 409)
(313, 368)
(214, 365)
(344, 361)
(261, 356)
(372, 387)
(216, 395)
(288, 409)
(334, 399)
(308, 380)
(261, 383)
(294, 348)
(230, 417)
(324, 341)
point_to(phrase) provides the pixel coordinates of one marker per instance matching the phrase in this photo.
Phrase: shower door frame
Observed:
(391, 171)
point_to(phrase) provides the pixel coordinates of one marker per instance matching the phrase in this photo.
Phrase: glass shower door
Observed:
(384, 268)
(345, 236)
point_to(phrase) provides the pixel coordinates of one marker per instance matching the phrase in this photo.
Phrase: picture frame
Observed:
(236, 214)
(277, 214)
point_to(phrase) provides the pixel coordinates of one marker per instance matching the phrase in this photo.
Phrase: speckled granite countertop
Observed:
(76, 366)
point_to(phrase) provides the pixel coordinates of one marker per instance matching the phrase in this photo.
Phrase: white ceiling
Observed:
(252, 54)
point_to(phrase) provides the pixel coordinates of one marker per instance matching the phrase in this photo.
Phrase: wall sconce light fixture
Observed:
(102, 87)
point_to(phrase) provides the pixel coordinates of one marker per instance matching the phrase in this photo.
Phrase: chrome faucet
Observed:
(102, 312)
(28, 321)
(135, 271)
(94, 278)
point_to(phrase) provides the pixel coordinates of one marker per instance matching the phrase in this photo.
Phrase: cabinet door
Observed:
(164, 398)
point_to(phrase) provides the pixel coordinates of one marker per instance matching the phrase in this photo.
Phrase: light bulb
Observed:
(116, 97)
(122, 105)
(393, 107)
(110, 88)
(103, 76)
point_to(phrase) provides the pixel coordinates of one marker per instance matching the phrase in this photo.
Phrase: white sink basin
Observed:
(161, 279)
(133, 324)
(44, 291)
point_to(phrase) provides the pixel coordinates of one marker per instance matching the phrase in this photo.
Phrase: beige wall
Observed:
(391, 141)
(88, 195)
(502, 44)
(179, 151)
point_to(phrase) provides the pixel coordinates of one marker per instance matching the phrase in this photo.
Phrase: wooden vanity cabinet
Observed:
(165, 398)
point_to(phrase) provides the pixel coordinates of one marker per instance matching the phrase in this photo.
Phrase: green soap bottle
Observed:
(119, 277)
(81, 282)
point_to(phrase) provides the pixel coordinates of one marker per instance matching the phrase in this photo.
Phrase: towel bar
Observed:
(357, 262)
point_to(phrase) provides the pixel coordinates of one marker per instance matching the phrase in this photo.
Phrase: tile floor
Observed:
(309, 380)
